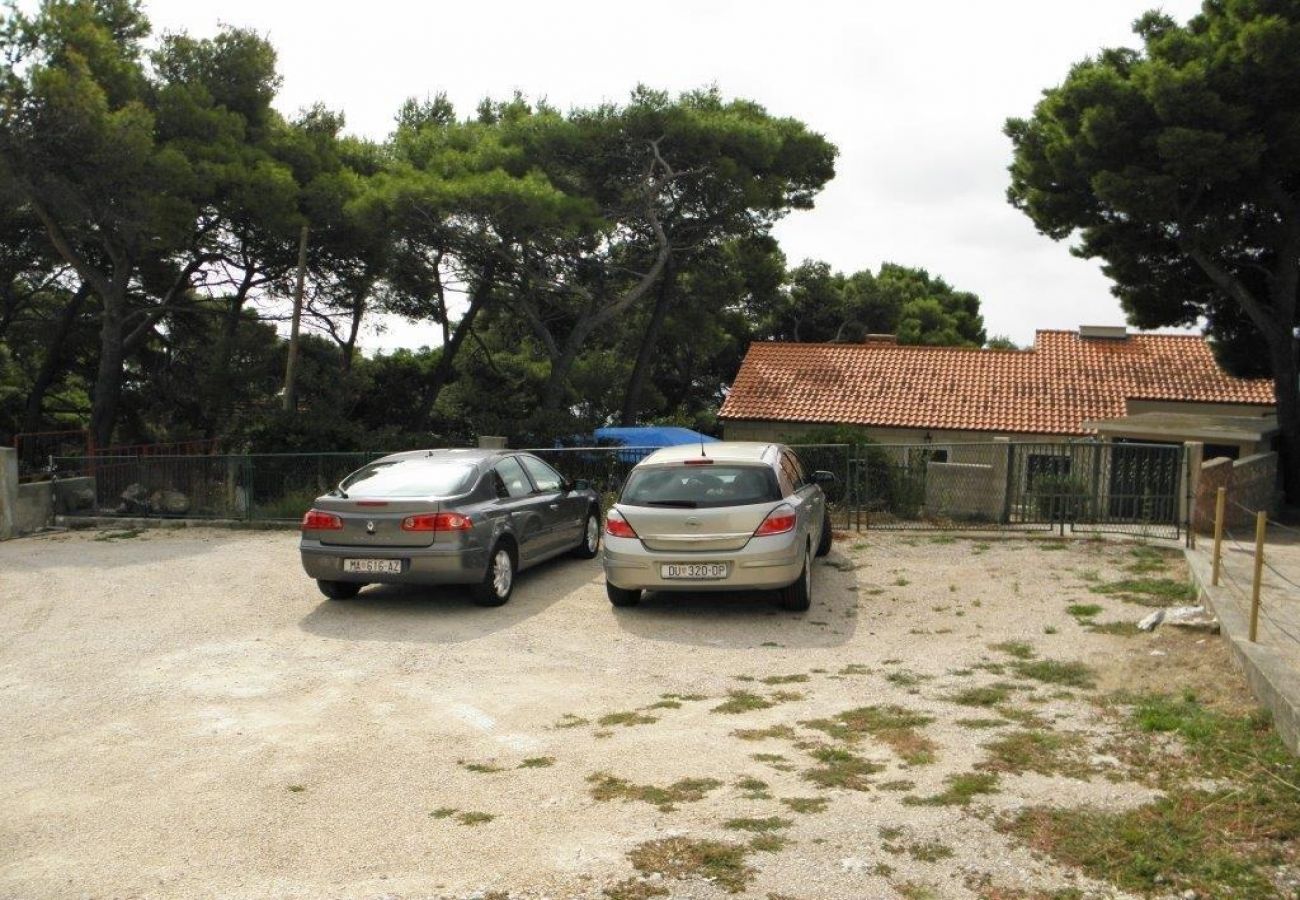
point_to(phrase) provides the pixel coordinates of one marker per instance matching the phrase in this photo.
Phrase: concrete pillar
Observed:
(1189, 479)
(8, 493)
(1001, 462)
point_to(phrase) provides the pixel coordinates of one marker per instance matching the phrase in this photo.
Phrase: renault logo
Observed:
(693, 521)
(370, 528)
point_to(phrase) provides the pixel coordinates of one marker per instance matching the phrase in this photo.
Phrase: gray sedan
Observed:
(474, 517)
(717, 517)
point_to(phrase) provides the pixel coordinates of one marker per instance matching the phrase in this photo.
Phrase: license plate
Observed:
(696, 571)
(373, 566)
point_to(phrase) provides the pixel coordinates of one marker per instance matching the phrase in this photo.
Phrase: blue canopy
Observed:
(652, 436)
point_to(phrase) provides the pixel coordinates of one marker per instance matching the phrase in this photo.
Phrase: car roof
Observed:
(722, 451)
(452, 454)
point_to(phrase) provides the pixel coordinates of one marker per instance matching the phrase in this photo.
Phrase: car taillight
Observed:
(315, 520)
(437, 522)
(778, 521)
(617, 526)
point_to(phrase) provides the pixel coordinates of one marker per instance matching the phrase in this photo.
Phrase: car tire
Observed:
(339, 590)
(590, 543)
(499, 580)
(824, 544)
(797, 596)
(622, 597)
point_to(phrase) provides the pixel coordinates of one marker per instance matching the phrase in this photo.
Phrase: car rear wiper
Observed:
(676, 504)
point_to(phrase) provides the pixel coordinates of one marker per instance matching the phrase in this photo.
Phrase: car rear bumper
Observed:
(763, 564)
(421, 565)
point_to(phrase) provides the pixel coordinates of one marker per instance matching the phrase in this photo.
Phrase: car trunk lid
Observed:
(695, 530)
(375, 523)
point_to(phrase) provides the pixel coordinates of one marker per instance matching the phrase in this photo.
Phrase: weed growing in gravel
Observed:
(767, 757)
(1050, 671)
(773, 732)
(771, 823)
(982, 723)
(296, 788)
(1035, 750)
(805, 805)
(1018, 649)
(961, 789)
(443, 812)
(685, 698)
(1148, 591)
(635, 889)
(607, 787)
(916, 890)
(125, 534)
(742, 702)
(665, 704)
(986, 696)
(1146, 560)
(481, 768)
(569, 720)
(901, 785)
(626, 719)
(753, 788)
(1120, 629)
(1025, 717)
(1050, 629)
(472, 818)
(1082, 612)
(538, 762)
(840, 768)
(768, 843)
(894, 725)
(904, 678)
(784, 679)
(901, 582)
(977, 549)
(721, 862)
(929, 851)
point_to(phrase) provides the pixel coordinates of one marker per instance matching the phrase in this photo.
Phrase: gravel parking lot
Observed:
(181, 714)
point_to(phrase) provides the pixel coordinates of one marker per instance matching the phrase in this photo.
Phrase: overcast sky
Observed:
(913, 94)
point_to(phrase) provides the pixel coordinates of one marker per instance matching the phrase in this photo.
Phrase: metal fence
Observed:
(1080, 486)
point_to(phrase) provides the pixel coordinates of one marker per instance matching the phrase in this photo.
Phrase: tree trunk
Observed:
(443, 372)
(649, 342)
(52, 364)
(108, 378)
(291, 363)
(350, 346)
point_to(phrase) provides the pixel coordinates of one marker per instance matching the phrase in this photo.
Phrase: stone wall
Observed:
(1251, 482)
(35, 507)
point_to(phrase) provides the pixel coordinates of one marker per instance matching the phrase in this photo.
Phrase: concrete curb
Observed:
(120, 522)
(1274, 680)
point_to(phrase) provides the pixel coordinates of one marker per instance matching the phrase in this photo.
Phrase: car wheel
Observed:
(339, 590)
(622, 596)
(824, 545)
(590, 545)
(499, 579)
(797, 596)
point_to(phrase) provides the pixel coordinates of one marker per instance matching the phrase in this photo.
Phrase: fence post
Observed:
(1261, 528)
(1220, 506)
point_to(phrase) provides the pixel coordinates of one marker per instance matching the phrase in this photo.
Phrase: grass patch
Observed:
(443, 812)
(784, 679)
(635, 889)
(1050, 671)
(569, 720)
(1148, 591)
(685, 698)
(1036, 750)
(1120, 629)
(481, 768)
(768, 843)
(296, 788)
(721, 862)
(754, 788)
(904, 678)
(1083, 611)
(772, 732)
(894, 725)
(626, 719)
(473, 817)
(688, 790)
(757, 826)
(961, 789)
(124, 534)
(538, 762)
(986, 696)
(805, 805)
(982, 723)
(916, 890)
(1018, 649)
(1146, 560)
(901, 582)
(665, 704)
(840, 768)
(742, 702)
(1222, 840)
(929, 851)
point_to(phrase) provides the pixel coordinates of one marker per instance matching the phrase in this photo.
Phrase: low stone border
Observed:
(1274, 680)
(120, 522)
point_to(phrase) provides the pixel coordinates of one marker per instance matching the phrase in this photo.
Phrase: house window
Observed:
(1214, 451)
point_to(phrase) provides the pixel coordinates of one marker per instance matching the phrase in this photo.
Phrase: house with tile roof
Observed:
(1102, 382)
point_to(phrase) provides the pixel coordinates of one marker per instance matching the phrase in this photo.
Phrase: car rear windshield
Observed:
(410, 478)
(693, 487)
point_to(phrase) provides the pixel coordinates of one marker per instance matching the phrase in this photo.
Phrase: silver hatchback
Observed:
(728, 516)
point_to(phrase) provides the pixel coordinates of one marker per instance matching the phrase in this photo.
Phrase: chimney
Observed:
(1103, 332)
(880, 339)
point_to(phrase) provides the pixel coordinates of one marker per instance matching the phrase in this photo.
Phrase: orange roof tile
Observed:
(1051, 389)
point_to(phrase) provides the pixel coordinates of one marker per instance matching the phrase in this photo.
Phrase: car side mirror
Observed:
(822, 477)
(577, 484)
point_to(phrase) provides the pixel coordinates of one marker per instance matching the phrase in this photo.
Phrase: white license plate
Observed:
(696, 571)
(373, 566)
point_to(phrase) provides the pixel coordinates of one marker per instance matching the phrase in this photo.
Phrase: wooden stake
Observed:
(1261, 528)
(1220, 506)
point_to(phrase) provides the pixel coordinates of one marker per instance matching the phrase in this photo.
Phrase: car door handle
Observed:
(555, 506)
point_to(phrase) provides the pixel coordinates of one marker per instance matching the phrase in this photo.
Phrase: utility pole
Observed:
(291, 366)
